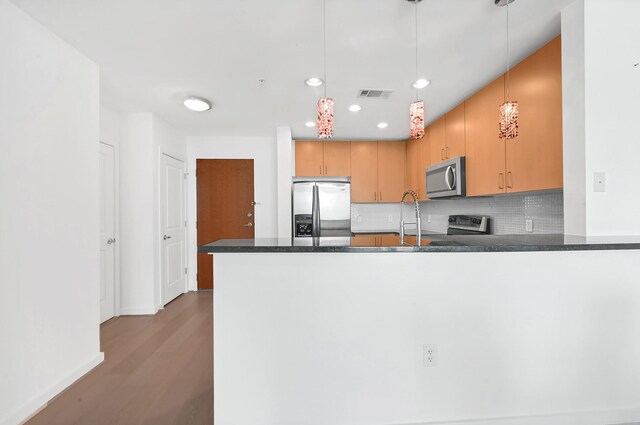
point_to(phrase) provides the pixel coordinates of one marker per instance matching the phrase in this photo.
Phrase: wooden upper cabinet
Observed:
(455, 140)
(534, 158)
(437, 141)
(364, 172)
(485, 150)
(337, 158)
(391, 166)
(412, 165)
(309, 158)
(424, 162)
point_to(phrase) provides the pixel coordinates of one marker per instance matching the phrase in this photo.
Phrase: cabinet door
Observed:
(391, 157)
(364, 172)
(364, 240)
(438, 137)
(485, 150)
(534, 158)
(309, 158)
(389, 240)
(455, 132)
(412, 165)
(337, 158)
(424, 162)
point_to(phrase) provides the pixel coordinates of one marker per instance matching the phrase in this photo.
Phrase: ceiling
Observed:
(154, 53)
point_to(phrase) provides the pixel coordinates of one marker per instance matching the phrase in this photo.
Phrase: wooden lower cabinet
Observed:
(391, 170)
(485, 159)
(364, 172)
(534, 158)
(364, 240)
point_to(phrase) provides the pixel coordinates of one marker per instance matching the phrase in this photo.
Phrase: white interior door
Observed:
(173, 228)
(107, 232)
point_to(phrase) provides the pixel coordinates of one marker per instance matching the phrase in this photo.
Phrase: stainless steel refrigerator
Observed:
(321, 206)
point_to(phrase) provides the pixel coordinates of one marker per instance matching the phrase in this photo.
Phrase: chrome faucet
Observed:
(417, 222)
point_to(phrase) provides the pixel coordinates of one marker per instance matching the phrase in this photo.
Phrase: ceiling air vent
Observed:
(375, 93)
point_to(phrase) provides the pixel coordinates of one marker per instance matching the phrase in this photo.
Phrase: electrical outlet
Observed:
(430, 355)
(359, 219)
(390, 218)
(428, 218)
(528, 223)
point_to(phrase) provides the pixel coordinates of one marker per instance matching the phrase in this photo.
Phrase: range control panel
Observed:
(468, 224)
(303, 225)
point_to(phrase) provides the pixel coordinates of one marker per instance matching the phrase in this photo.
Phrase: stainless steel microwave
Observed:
(446, 179)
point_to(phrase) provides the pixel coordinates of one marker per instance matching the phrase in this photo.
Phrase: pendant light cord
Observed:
(507, 82)
(324, 44)
(416, 18)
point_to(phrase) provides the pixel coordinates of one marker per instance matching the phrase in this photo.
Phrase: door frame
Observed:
(160, 262)
(116, 225)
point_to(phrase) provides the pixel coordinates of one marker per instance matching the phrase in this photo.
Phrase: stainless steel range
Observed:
(468, 225)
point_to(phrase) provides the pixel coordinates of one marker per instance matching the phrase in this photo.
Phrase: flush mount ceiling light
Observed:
(383, 125)
(355, 108)
(310, 124)
(314, 82)
(421, 83)
(508, 124)
(197, 104)
(416, 109)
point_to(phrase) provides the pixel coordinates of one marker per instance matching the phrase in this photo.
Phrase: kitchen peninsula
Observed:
(454, 330)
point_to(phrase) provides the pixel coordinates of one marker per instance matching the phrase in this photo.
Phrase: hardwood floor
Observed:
(157, 370)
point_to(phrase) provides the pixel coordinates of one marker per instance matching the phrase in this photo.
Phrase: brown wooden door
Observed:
(225, 206)
(412, 160)
(391, 157)
(455, 132)
(337, 158)
(424, 162)
(309, 158)
(534, 158)
(438, 138)
(485, 159)
(364, 172)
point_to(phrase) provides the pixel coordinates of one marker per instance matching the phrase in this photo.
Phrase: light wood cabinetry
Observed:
(534, 158)
(309, 158)
(391, 170)
(364, 172)
(485, 156)
(412, 165)
(438, 141)
(364, 240)
(455, 140)
(424, 162)
(318, 158)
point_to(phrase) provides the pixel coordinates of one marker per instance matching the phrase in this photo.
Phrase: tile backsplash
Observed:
(508, 213)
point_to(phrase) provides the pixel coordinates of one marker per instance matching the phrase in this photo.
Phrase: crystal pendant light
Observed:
(508, 124)
(416, 109)
(325, 104)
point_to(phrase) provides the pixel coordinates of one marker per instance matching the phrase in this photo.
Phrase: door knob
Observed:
(248, 225)
(166, 237)
(249, 214)
(111, 240)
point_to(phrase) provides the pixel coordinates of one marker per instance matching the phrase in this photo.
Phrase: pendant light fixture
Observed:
(325, 104)
(509, 109)
(416, 109)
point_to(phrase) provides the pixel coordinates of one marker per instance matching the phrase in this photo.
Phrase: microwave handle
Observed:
(451, 185)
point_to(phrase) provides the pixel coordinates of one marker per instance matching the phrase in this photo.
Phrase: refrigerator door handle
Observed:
(315, 211)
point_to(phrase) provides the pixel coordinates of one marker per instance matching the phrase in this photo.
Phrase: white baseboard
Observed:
(37, 403)
(625, 416)
(138, 311)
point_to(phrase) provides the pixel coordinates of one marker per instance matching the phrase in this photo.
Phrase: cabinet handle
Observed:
(441, 153)
(325, 170)
(375, 196)
(500, 181)
(446, 152)
(509, 179)
(321, 170)
(381, 196)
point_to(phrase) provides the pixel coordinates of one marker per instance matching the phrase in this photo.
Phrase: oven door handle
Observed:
(450, 184)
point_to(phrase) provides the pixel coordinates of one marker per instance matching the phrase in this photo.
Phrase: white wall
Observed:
(285, 170)
(601, 41)
(263, 151)
(144, 138)
(341, 338)
(49, 244)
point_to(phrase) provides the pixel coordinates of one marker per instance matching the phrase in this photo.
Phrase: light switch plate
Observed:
(528, 225)
(599, 182)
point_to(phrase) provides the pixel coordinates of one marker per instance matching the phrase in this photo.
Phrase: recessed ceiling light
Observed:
(421, 83)
(310, 124)
(355, 108)
(313, 82)
(197, 104)
(383, 125)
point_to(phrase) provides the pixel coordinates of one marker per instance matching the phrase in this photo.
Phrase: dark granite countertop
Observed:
(430, 243)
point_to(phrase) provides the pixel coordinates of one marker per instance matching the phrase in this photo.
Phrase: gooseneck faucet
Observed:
(417, 222)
